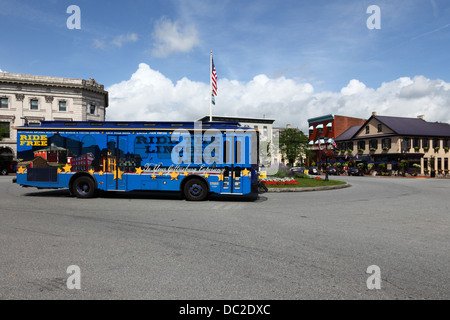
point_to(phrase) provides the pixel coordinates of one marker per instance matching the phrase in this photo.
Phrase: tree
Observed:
(402, 164)
(293, 144)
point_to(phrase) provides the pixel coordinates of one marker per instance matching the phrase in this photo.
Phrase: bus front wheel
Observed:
(195, 190)
(83, 187)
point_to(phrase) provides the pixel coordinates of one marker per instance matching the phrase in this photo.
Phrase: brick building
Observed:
(323, 131)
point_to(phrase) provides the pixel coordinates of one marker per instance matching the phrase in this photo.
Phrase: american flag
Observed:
(334, 143)
(214, 78)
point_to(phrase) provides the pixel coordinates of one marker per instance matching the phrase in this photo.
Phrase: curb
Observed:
(341, 186)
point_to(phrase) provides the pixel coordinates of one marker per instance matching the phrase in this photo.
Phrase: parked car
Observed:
(6, 167)
(355, 172)
(333, 171)
(299, 170)
(313, 170)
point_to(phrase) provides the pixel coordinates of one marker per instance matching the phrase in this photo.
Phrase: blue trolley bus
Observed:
(194, 158)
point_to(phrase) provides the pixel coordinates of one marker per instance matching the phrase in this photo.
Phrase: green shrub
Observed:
(282, 172)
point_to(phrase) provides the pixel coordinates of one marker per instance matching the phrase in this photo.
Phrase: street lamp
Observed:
(326, 153)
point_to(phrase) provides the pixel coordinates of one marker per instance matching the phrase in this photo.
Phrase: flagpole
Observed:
(210, 88)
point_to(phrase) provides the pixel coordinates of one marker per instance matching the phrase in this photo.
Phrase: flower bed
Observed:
(298, 182)
(279, 181)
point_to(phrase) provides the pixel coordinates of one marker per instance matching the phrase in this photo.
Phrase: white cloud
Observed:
(170, 37)
(121, 39)
(149, 95)
(99, 44)
(118, 41)
(353, 87)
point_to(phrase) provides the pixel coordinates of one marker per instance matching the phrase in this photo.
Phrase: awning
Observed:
(311, 142)
(320, 126)
(330, 140)
(311, 128)
(329, 125)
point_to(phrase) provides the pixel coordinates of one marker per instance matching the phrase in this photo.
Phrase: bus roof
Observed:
(124, 125)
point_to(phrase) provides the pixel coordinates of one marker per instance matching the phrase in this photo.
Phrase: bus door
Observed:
(234, 159)
(115, 162)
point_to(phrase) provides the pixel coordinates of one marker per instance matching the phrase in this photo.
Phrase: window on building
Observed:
(361, 145)
(373, 144)
(367, 129)
(92, 109)
(445, 163)
(439, 164)
(446, 143)
(386, 143)
(4, 129)
(406, 144)
(62, 106)
(265, 131)
(350, 146)
(380, 127)
(436, 143)
(4, 103)
(416, 143)
(425, 143)
(34, 104)
(425, 163)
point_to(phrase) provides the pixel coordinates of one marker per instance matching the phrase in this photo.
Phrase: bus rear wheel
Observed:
(83, 187)
(195, 190)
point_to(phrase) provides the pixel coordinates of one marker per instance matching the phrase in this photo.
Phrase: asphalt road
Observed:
(309, 245)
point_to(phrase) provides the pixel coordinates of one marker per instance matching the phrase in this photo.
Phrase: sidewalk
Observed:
(408, 177)
(306, 189)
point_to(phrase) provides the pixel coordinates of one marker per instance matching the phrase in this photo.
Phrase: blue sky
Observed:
(322, 43)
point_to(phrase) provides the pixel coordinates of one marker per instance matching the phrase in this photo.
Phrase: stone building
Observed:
(423, 145)
(35, 98)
